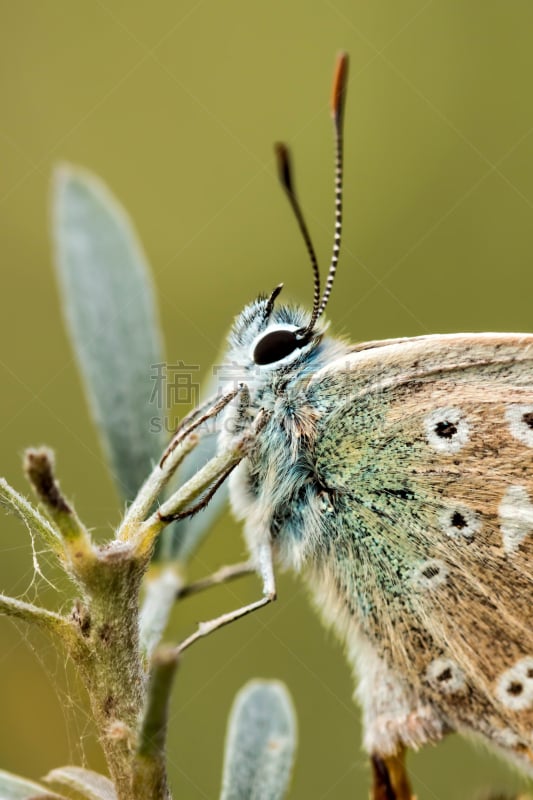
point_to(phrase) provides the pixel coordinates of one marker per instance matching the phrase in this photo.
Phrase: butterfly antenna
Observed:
(283, 159)
(285, 176)
(337, 112)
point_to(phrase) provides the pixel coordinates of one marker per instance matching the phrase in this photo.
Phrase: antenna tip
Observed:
(340, 80)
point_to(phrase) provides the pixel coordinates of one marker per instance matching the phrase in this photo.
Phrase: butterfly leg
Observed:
(265, 568)
(206, 411)
(222, 575)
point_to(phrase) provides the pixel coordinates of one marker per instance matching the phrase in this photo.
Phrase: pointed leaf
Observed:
(90, 784)
(13, 787)
(260, 743)
(110, 310)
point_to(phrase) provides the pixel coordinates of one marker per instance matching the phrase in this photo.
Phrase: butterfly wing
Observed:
(425, 448)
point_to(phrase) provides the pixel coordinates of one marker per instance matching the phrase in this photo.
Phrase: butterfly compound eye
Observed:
(275, 345)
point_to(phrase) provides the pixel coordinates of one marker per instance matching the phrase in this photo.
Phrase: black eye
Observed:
(276, 345)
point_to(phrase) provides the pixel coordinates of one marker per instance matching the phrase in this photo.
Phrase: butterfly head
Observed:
(269, 336)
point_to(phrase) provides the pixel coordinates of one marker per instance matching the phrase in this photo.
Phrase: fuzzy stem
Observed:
(152, 488)
(199, 483)
(162, 586)
(18, 504)
(39, 468)
(113, 671)
(27, 612)
(149, 765)
(153, 728)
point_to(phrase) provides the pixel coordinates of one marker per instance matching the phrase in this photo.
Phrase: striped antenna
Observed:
(285, 176)
(337, 112)
(283, 159)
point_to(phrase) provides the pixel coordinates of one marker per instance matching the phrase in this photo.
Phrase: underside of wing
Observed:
(426, 449)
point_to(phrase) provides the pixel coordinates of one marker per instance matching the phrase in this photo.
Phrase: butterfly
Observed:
(397, 477)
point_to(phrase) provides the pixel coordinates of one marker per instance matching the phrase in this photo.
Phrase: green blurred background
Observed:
(176, 106)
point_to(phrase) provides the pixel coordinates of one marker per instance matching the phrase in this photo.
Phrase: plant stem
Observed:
(113, 673)
(152, 488)
(149, 766)
(199, 483)
(161, 589)
(20, 506)
(39, 468)
(102, 635)
(30, 613)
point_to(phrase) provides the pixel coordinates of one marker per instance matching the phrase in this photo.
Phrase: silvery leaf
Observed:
(260, 743)
(112, 319)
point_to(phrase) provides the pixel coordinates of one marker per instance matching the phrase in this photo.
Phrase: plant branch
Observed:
(149, 764)
(162, 588)
(17, 503)
(39, 469)
(152, 488)
(194, 487)
(27, 612)
(204, 500)
(153, 726)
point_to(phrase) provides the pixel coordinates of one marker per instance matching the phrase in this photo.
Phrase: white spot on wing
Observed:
(429, 574)
(460, 522)
(447, 430)
(507, 737)
(516, 518)
(446, 676)
(518, 417)
(515, 686)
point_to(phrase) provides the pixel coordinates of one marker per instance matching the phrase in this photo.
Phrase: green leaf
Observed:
(90, 784)
(112, 319)
(260, 743)
(13, 787)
